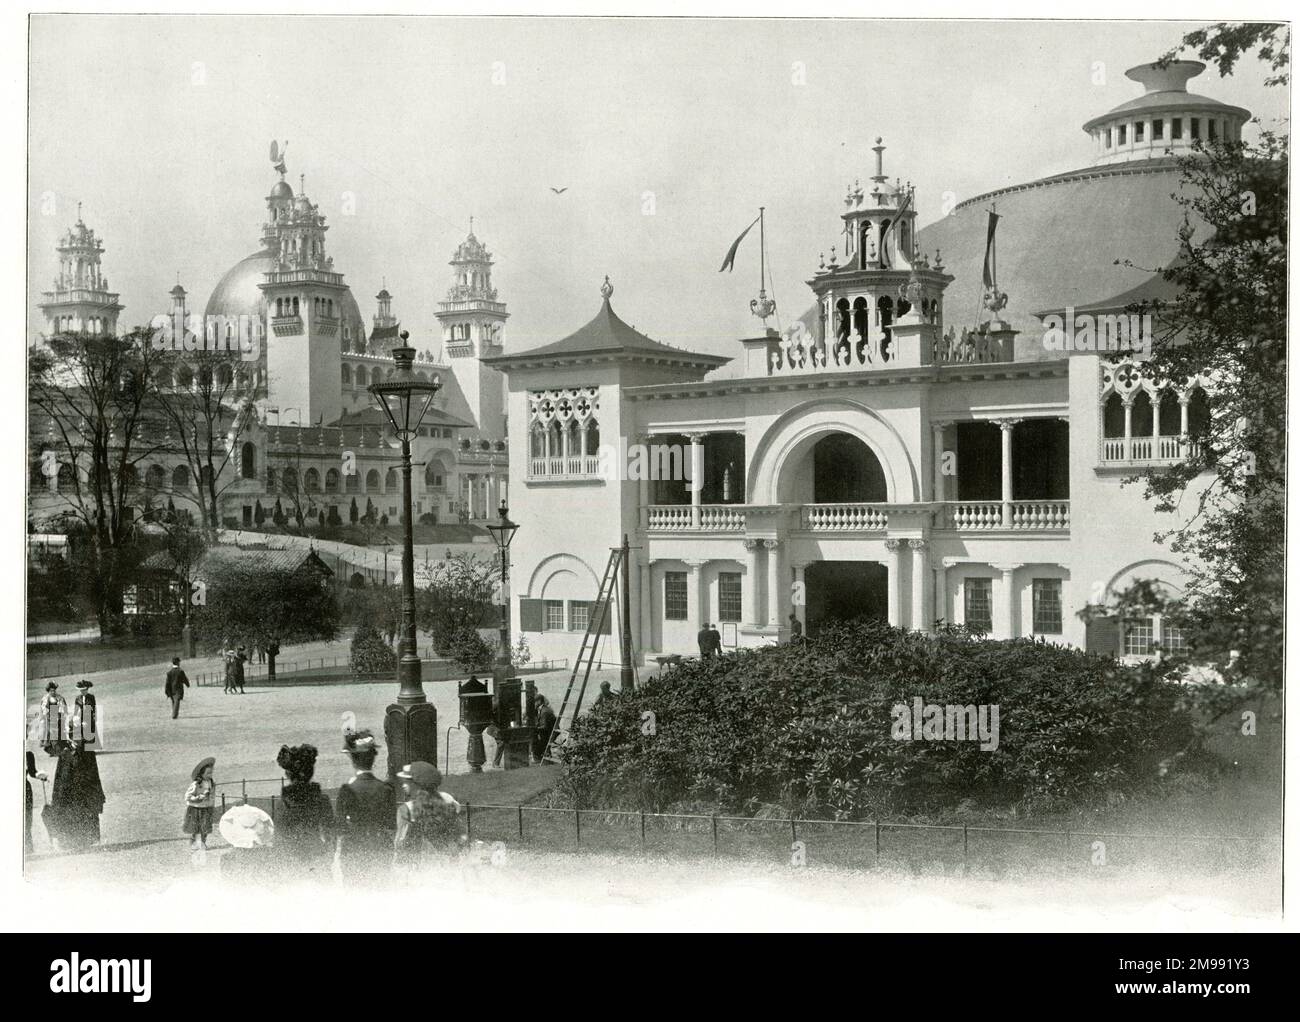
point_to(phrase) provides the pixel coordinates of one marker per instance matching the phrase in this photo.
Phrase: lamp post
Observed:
(503, 531)
(411, 723)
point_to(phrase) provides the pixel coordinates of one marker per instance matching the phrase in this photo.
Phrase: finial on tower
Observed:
(471, 227)
(879, 150)
(606, 289)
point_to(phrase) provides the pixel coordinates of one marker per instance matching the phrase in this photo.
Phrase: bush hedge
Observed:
(809, 727)
(370, 653)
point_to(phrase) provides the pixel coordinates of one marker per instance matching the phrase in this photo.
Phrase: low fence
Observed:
(852, 844)
(285, 671)
(108, 659)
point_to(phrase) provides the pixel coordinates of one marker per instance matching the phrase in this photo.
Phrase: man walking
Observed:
(176, 685)
(704, 639)
(237, 670)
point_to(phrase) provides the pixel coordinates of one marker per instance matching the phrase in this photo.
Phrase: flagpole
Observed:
(762, 250)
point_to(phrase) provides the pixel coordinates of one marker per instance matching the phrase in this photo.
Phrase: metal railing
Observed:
(285, 671)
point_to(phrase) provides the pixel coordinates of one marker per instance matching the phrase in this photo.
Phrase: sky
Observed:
(667, 134)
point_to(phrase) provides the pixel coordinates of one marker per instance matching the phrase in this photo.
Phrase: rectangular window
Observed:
(1137, 636)
(1196, 127)
(1123, 133)
(1176, 128)
(674, 596)
(1157, 129)
(729, 596)
(1138, 129)
(553, 615)
(979, 604)
(579, 615)
(1047, 606)
(1172, 640)
(1213, 127)
(1108, 138)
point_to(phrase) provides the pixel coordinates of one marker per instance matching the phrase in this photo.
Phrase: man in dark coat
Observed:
(84, 725)
(704, 638)
(715, 640)
(366, 814)
(237, 670)
(176, 685)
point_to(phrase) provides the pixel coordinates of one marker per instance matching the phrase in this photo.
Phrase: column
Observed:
(750, 594)
(941, 591)
(937, 428)
(1184, 444)
(1128, 428)
(1004, 608)
(645, 597)
(801, 586)
(643, 484)
(895, 587)
(920, 583)
(1007, 426)
(773, 583)
(695, 588)
(696, 484)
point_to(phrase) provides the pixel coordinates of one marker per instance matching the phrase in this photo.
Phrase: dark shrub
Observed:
(370, 653)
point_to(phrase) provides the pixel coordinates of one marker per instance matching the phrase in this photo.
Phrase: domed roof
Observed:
(1057, 242)
(281, 190)
(237, 293)
(1166, 91)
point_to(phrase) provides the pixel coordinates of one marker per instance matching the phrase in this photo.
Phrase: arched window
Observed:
(885, 313)
(362, 379)
(390, 481)
(247, 469)
(289, 480)
(537, 441)
(352, 482)
(311, 481)
(1113, 418)
(1198, 413)
(65, 476)
(372, 481)
(1171, 415)
(279, 306)
(155, 478)
(572, 439)
(205, 476)
(180, 478)
(295, 305)
(332, 481)
(843, 324)
(1143, 415)
(347, 376)
(593, 438)
(554, 441)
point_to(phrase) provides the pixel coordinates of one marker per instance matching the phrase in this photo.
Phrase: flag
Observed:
(988, 251)
(897, 217)
(729, 263)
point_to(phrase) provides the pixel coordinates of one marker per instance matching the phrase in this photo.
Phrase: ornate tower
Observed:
(384, 334)
(472, 325)
(81, 301)
(304, 307)
(885, 291)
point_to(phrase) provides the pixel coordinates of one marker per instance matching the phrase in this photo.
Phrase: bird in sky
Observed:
(559, 191)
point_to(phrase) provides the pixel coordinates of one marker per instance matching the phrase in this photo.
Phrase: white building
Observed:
(876, 460)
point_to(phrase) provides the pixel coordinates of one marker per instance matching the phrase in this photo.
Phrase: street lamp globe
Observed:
(406, 398)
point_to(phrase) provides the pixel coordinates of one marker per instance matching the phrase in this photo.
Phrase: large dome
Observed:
(1058, 240)
(237, 294)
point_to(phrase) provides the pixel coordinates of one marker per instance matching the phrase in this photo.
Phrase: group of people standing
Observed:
(370, 828)
(234, 660)
(71, 814)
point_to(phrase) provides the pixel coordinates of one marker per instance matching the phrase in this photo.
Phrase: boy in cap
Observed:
(365, 813)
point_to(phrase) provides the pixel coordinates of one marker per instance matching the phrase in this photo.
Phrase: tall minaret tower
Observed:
(81, 301)
(473, 322)
(304, 306)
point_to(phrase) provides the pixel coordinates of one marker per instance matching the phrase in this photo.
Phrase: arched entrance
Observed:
(845, 591)
(845, 470)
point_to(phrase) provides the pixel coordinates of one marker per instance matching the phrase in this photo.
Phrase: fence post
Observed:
(577, 826)
(794, 833)
(965, 847)
(243, 788)
(714, 818)
(521, 823)
(469, 822)
(877, 842)
(642, 830)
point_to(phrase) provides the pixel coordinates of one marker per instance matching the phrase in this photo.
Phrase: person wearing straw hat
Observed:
(365, 813)
(200, 799)
(427, 821)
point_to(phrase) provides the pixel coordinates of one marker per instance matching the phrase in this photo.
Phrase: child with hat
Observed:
(428, 819)
(200, 798)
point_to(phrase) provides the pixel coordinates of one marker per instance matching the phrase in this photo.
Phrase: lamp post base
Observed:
(411, 734)
(475, 753)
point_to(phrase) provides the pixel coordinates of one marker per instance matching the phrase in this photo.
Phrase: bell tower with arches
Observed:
(81, 301)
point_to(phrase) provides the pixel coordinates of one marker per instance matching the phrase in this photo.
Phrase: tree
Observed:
(91, 397)
(370, 512)
(1228, 322)
(259, 513)
(459, 595)
(267, 606)
(468, 649)
(370, 653)
(278, 515)
(353, 513)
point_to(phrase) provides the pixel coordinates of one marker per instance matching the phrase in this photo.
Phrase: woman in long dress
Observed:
(77, 799)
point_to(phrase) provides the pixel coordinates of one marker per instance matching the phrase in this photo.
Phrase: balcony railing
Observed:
(570, 466)
(286, 326)
(990, 515)
(843, 517)
(1146, 450)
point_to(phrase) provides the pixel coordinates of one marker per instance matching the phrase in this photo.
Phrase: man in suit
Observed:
(366, 814)
(176, 685)
(704, 638)
(715, 640)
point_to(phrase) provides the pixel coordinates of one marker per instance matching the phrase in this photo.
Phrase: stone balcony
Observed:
(1017, 516)
(1146, 450)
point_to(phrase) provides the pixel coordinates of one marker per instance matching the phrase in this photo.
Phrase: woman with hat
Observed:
(364, 813)
(200, 798)
(77, 798)
(427, 821)
(54, 719)
(84, 726)
(305, 820)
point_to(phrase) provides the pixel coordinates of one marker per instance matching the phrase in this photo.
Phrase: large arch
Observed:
(791, 438)
(1168, 574)
(557, 567)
